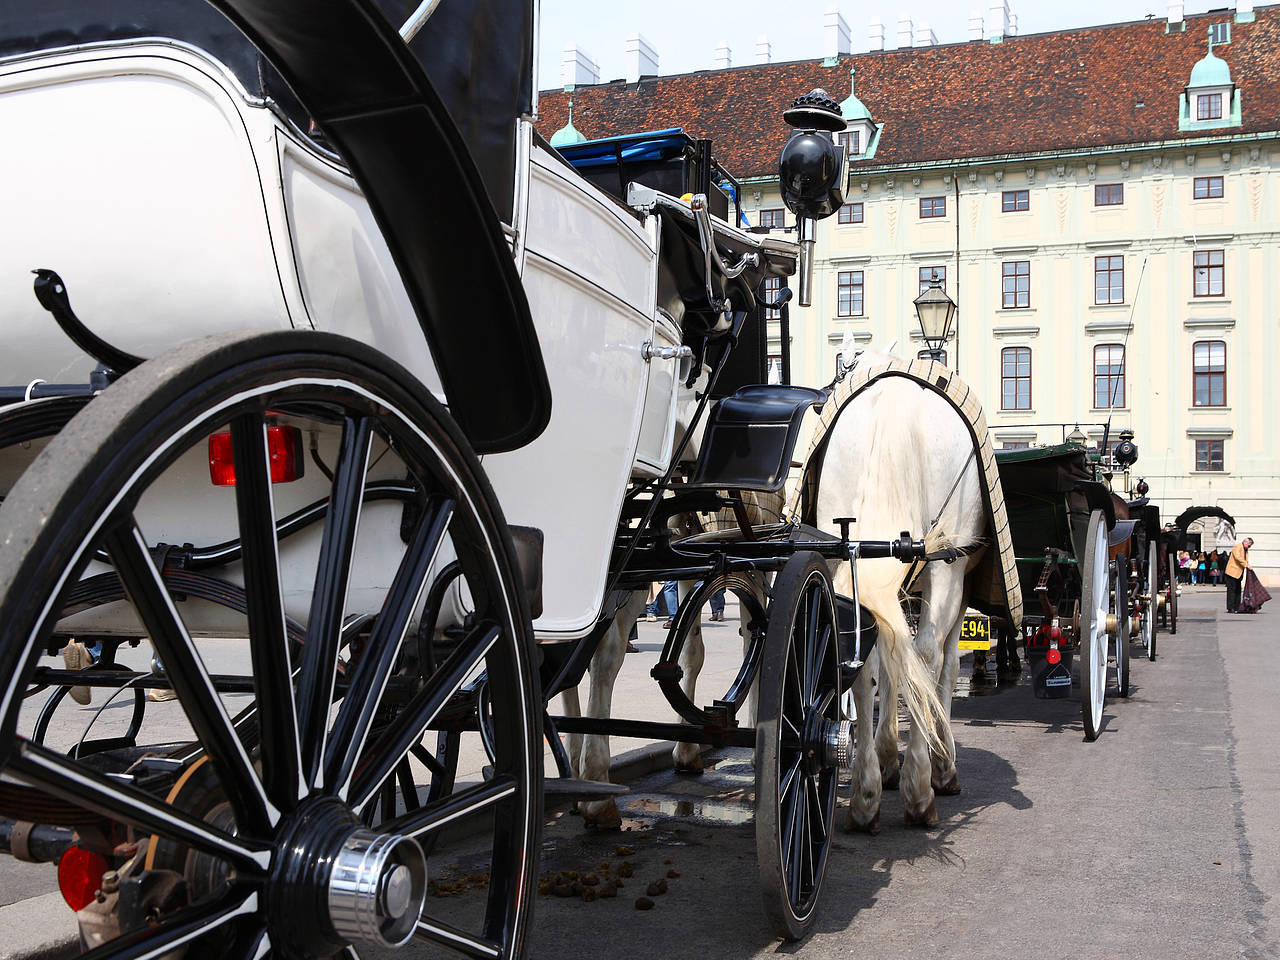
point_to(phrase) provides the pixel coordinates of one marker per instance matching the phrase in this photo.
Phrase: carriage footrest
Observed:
(581, 789)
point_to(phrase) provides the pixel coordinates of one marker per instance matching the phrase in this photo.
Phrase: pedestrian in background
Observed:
(1215, 572)
(1202, 569)
(671, 596)
(1237, 564)
(717, 606)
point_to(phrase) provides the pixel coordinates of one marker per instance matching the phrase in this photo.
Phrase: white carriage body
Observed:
(175, 205)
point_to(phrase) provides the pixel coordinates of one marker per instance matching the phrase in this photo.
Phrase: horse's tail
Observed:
(878, 591)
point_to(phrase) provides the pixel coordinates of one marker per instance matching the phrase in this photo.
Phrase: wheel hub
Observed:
(827, 743)
(337, 883)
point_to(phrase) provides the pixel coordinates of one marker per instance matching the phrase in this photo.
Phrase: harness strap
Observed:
(973, 452)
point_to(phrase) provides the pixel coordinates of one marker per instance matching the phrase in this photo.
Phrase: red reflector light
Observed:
(1053, 655)
(284, 448)
(80, 877)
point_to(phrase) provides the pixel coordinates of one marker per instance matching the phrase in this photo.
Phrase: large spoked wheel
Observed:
(800, 742)
(1153, 601)
(1094, 607)
(272, 809)
(1120, 591)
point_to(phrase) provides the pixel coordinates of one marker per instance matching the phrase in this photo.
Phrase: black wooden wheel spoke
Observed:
(428, 760)
(185, 670)
(328, 603)
(790, 778)
(457, 806)
(439, 932)
(268, 638)
(795, 854)
(176, 931)
(360, 703)
(817, 828)
(812, 608)
(409, 726)
(817, 694)
(74, 782)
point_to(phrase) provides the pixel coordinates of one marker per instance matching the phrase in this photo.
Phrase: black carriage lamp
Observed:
(1126, 451)
(811, 174)
(935, 311)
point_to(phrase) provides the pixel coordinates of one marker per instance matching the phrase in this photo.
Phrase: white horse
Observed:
(899, 457)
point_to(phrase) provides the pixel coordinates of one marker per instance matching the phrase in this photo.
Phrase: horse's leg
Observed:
(944, 779)
(887, 729)
(864, 801)
(942, 607)
(605, 664)
(687, 757)
(572, 741)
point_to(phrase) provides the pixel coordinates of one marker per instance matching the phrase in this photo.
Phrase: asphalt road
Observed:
(1155, 841)
(1158, 840)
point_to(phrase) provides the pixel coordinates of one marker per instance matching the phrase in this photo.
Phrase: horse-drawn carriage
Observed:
(1088, 565)
(416, 396)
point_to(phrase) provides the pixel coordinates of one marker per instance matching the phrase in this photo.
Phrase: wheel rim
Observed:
(297, 869)
(1153, 594)
(797, 736)
(1094, 604)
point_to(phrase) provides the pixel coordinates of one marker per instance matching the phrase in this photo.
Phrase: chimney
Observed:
(764, 50)
(875, 34)
(1244, 11)
(1013, 24)
(904, 31)
(578, 67)
(724, 56)
(835, 34)
(925, 37)
(1176, 8)
(975, 24)
(642, 59)
(998, 20)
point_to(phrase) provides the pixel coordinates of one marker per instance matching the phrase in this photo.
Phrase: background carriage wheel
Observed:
(1121, 604)
(282, 853)
(1094, 607)
(1153, 601)
(798, 734)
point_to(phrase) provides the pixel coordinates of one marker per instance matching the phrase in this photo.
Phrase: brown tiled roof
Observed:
(1097, 86)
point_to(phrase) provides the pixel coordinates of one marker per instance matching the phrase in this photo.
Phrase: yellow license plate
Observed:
(975, 632)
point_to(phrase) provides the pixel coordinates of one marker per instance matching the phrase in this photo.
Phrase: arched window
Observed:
(1015, 378)
(1108, 375)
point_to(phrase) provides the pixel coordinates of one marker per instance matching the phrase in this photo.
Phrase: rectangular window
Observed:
(850, 213)
(926, 355)
(1015, 378)
(851, 141)
(849, 293)
(1108, 279)
(1220, 33)
(772, 287)
(1108, 194)
(1013, 200)
(773, 219)
(1016, 281)
(1209, 455)
(1209, 106)
(1209, 373)
(1207, 188)
(1108, 375)
(1209, 271)
(931, 207)
(1015, 445)
(930, 274)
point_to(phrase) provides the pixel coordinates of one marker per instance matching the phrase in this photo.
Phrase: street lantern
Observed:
(935, 311)
(1077, 437)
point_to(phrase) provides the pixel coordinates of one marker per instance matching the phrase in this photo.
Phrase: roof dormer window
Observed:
(862, 134)
(1210, 100)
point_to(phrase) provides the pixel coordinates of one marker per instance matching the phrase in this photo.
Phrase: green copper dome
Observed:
(1210, 72)
(567, 135)
(853, 109)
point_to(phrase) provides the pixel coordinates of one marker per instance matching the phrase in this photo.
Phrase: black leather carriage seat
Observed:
(751, 437)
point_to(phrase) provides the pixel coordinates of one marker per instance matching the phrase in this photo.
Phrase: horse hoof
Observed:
(949, 789)
(889, 781)
(604, 816)
(689, 768)
(851, 825)
(925, 820)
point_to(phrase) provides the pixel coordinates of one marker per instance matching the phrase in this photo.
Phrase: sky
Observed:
(686, 32)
